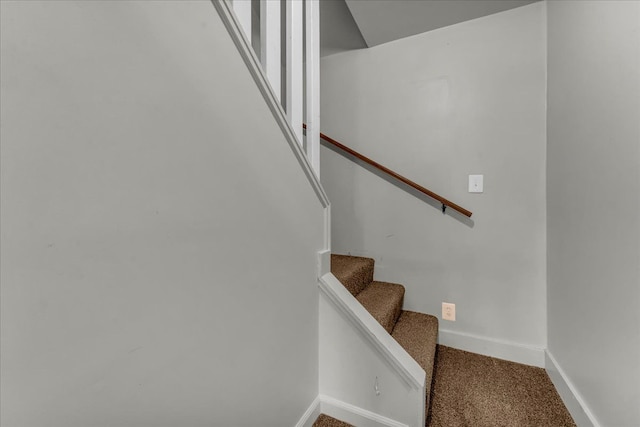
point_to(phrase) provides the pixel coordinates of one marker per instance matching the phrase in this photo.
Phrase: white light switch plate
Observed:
(476, 183)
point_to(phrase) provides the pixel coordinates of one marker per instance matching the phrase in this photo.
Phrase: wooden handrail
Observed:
(420, 188)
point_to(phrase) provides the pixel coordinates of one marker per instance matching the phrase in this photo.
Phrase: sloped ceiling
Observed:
(338, 30)
(382, 21)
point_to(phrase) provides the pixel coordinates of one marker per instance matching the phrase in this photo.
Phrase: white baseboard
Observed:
(354, 415)
(345, 412)
(572, 399)
(507, 350)
(311, 414)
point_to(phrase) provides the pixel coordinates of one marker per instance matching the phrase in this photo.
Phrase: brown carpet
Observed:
(326, 421)
(471, 390)
(383, 301)
(468, 390)
(354, 272)
(417, 333)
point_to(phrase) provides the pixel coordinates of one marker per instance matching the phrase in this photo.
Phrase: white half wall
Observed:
(437, 107)
(366, 378)
(593, 187)
(158, 235)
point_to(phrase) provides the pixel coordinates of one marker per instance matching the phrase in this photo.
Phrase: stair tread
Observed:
(384, 301)
(355, 273)
(417, 333)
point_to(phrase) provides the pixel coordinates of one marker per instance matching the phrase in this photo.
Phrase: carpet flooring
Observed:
(470, 390)
(326, 421)
(479, 391)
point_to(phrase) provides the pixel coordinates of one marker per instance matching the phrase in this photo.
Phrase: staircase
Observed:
(415, 332)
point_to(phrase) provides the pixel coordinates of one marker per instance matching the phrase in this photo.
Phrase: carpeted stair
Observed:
(415, 332)
(468, 389)
(471, 390)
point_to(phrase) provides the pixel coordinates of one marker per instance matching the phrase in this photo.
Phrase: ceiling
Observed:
(356, 24)
(338, 30)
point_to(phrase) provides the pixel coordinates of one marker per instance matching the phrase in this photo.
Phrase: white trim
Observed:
(354, 415)
(270, 43)
(294, 61)
(242, 10)
(572, 399)
(501, 349)
(243, 44)
(324, 262)
(312, 38)
(327, 229)
(311, 414)
(400, 361)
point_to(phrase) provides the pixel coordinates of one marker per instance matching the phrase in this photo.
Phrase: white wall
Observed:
(436, 107)
(593, 203)
(159, 238)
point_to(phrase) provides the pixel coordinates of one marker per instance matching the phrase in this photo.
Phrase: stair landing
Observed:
(327, 421)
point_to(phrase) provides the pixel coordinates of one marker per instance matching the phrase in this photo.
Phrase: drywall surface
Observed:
(466, 99)
(382, 21)
(593, 188)
(354, 371)
(338, 31)
(158, 253)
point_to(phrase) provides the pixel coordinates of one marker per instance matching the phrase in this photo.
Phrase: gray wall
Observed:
(436, 107)
(593, 192)
(158, 255)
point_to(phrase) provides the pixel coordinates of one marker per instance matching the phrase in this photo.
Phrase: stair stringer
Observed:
(356, 353)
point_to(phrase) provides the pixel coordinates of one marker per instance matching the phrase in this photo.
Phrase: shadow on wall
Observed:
(401, 185)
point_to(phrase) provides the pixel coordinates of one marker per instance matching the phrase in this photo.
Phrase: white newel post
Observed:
(270, 43)
(312, 12)
(294, 66)
(242, 9)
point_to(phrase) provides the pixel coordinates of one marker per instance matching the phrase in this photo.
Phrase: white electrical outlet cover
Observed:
(448, 311)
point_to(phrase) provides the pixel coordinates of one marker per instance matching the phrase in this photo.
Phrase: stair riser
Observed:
(355, 273)
(361, 280)
(416, 332)
(384, 302)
